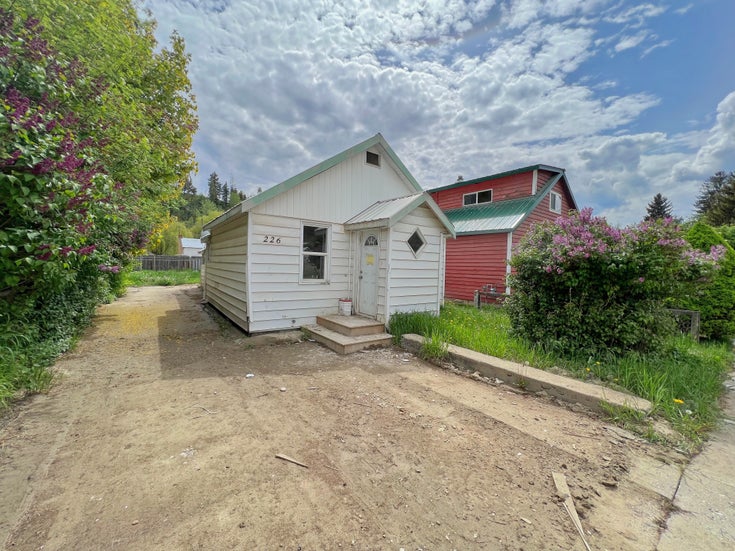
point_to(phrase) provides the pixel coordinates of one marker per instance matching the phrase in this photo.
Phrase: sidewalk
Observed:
(705, 500)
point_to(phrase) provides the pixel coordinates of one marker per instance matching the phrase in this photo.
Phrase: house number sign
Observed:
(272, 240)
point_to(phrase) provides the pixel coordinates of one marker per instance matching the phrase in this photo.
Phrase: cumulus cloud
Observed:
(456, 87)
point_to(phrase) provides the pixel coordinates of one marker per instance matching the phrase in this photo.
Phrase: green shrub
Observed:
(583, 287)
(713, 298)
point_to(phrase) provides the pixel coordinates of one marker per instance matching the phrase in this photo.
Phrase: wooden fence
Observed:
(160, 262)
(688, 321)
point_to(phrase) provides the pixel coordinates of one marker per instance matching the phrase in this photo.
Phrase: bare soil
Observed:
(154, 437)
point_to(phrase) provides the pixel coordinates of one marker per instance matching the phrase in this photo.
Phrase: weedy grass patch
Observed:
(683, 379)
(166, 278)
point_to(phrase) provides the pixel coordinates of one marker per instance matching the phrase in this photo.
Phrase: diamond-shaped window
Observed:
(416, 242)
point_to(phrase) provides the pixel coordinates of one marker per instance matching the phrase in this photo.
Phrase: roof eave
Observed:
(292, 182)
(225, 216)
(499, 175)
(369, 224)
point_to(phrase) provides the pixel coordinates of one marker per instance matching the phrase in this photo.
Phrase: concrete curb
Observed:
(535, 380)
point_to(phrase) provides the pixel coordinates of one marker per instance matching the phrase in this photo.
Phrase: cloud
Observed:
(456, 87)
(719, 149)
(630, 41)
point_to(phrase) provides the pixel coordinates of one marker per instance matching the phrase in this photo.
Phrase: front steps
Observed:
(348, 334)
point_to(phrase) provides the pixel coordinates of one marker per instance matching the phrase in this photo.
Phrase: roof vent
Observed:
(372, 158)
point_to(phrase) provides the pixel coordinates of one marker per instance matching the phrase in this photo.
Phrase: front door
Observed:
(368, 283)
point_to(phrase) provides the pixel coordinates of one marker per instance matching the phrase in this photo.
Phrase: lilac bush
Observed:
(61, 214)
(581, 285)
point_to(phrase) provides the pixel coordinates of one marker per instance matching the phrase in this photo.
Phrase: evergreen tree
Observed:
(659, 207)
(224, 198)
(234, 198)
(214, 188)
(716, 201)
(188, 190)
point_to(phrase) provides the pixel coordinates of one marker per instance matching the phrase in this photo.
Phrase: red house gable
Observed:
(506, 185)
(491, 215)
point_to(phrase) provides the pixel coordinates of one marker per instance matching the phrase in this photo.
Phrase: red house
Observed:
(491, 215)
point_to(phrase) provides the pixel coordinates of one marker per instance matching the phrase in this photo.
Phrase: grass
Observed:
(683, 380)
(166, 278)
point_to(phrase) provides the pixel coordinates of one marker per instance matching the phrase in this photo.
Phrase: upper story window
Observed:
(372, 158)
(314, 253)
(555, 202)
(477, 197)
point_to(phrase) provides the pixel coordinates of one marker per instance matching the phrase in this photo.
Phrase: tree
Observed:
(716, 201)
(188, 191)
(96, 123)
(224, 198)
(214, 188)
(235, 198)
(659, 207)
(714, 298)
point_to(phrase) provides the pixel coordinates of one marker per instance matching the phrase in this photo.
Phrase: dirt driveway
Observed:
(155, 438)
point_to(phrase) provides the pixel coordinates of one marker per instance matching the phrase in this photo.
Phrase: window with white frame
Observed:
(477, 197)
(416, 242)
(555, 202)
(314, 252)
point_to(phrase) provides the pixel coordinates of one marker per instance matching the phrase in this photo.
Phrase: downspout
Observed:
(508, 256)
(388, 287)
(534, 182)
(248, 282)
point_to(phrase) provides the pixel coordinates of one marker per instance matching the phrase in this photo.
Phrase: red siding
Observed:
(542, 213)
(477, 260)
(474, 261)
(509, 187)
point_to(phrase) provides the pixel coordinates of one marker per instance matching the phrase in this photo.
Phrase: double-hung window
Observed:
(314, 253)
(555, 202)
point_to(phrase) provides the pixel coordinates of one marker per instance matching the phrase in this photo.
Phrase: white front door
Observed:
(368, 279)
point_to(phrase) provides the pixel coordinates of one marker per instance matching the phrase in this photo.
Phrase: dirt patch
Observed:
(156, 438)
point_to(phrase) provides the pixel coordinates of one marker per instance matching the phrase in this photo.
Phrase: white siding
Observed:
(225, 281)
(341, 192)
(278, 299)
(415, 282)
(383, 263)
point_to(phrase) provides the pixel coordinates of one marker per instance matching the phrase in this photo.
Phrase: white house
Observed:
(190, 246)
(356, 226)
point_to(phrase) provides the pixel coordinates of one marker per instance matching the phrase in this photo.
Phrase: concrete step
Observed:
(344, 344)
(352, 326)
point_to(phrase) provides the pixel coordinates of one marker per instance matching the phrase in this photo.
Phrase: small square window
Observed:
(416, 242)
(470, 199)
(372, 158)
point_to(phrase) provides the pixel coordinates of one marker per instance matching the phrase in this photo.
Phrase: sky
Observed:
(630, 98)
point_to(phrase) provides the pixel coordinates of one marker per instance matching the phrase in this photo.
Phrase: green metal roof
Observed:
(388, 212)
(497, 217)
